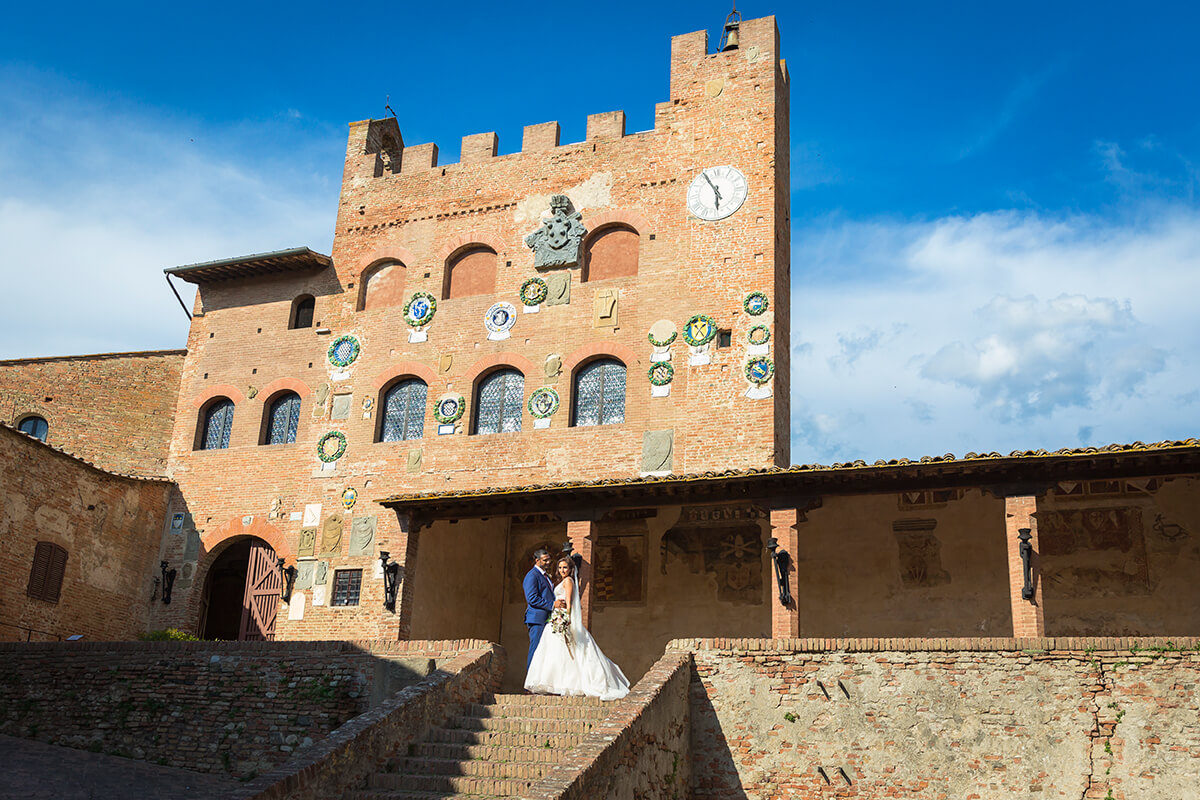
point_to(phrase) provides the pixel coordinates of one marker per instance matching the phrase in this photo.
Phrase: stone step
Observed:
(501, 738)
(450, 784)
(479, 768)
(392, 794)
(541, 700)
(533, 711)
(538, 753)
(520, 725)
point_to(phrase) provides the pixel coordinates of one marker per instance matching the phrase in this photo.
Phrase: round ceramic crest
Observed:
(543, 402)
(500, 317)
(419, 309)
(699, 330)
(449, 409)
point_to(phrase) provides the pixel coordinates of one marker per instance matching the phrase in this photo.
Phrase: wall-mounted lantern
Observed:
(1025, 549)
(782, 560)
(391, 580)
(287, 579)
(168, 581)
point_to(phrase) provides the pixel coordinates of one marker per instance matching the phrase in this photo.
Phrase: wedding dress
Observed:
(581, 668)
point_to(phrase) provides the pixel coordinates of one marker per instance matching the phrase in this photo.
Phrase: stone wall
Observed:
(231, 708)
(115, 410)
(110, 527)
(365, 744)
(926, 718)
(639, 750)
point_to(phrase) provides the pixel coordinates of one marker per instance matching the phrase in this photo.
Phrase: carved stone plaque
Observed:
(304, 575)
(308, 542)
(558, 288)
(557, 242)
(362, 536)
(331, 535)
(657, 450)
(415, 460)
(322, 577)
(604, 312)
(322, 395)
(191, 545)
(445, 362)
(553, 365)
(341, 406)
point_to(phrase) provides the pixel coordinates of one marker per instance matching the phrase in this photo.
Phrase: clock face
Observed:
(717, 192)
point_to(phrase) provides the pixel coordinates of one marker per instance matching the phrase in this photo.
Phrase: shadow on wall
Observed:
(257, 702)
(712, 756)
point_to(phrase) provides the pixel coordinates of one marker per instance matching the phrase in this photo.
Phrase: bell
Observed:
(731, 36)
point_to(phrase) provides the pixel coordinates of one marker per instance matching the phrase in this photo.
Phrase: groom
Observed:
(539, 599)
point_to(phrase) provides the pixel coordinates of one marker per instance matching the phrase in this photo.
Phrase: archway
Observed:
(241, 592)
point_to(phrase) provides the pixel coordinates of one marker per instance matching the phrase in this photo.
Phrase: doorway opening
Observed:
(241, 593)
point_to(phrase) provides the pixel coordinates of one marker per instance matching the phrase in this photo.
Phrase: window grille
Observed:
(283, 419)
(404, 411)
(599, 394)
(499, 401)
(35, 427)
(218, 420)
(347, 585)
(46, 575)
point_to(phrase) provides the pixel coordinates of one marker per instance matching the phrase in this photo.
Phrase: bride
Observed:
(570, 662)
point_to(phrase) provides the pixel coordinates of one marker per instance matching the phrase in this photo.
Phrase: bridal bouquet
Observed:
(560, 623)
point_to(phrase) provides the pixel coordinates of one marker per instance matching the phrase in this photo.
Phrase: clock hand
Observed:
(716, 191)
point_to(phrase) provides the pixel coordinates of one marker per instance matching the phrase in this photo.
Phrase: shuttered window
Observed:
(46, 576)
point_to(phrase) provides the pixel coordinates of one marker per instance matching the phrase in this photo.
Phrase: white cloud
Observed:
(97, 198)
(997, 331)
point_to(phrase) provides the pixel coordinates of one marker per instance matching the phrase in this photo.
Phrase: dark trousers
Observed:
(535, 636)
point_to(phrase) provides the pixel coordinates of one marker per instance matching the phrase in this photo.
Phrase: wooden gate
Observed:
(261, 601)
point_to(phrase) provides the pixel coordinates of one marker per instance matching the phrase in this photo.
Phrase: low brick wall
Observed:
(954, 718)
(235, 708)
(363, 746)
(639, 750)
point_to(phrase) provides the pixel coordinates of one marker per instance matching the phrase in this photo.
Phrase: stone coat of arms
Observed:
(558, 241)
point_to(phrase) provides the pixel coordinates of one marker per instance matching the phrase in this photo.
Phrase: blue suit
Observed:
(539, 600)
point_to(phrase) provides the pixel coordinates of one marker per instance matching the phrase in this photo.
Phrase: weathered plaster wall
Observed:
(1076, 718)
(1121, 558)
(458, 580)
(867, 567)
(232, 708)
(110, 527)
(115, 410)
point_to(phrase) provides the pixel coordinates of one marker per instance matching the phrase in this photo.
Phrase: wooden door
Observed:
(261, 601)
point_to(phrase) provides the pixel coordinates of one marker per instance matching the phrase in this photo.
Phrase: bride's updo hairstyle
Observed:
(565, 560)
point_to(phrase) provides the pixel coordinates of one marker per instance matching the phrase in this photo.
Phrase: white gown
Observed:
(582, 670)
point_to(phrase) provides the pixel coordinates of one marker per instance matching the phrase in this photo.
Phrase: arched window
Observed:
(404, 411)
(383, 286)
(217, 420)
(469, 272)
(302, 311)
(283, 417)
(498, 402)
(35, 426)
(599, 393)
(611, 252)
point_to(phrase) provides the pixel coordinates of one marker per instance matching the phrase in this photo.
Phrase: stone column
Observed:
(785, 620)
(405, 553)
(582, 535)
(1027, 616)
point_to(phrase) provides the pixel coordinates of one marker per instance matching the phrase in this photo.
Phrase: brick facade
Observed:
(115, 410)
(402, 212)
(110, 527)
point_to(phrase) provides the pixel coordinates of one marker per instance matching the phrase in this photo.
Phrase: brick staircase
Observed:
(496, 748)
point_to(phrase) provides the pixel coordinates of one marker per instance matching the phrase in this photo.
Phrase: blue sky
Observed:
(996, 223)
